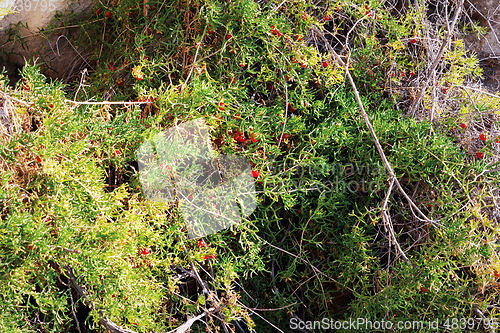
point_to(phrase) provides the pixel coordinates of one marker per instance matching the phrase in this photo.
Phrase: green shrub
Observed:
(73, 212)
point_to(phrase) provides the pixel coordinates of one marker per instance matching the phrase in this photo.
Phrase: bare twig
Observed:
(110, 326)
(105, 102)
(388, 223)
(438, 56)
(372, 132)
(73, 310)
(194, 61)
(15, 99)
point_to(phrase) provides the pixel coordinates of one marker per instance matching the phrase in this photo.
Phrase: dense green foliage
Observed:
(316, 246)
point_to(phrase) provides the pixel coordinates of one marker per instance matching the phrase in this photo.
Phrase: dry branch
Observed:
(431, 69)
(372, 132)
(110, 326)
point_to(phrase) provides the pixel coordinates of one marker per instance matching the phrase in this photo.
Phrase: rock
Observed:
(23, 38)
(483, 10)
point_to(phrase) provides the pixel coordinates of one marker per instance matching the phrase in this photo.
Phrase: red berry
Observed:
(286, 136)
(26, 87)
(496, 274)
(236, 116)
(482, 137)
(326, 18)
(98, 12)
(463, 125)
(30, 247)
(205, 257)
(120, 82)
(413, 40)
(412, 74)
(269, 86)
(367, 8)
(279, 34)
(325, 64)
(145, 251)
(140, 77)
(445, 90)
(222, 106)
(51, 106)
(201, 243)
(38, 159)
(117, 152)
(229, 36)
(255, 140)
(423, 289)
(242, 65)
(108, 14)
(212, 256)
(298, 37)
(303, 65)
(255, 173)
(479, 155)
(241, 139)
(497, 140)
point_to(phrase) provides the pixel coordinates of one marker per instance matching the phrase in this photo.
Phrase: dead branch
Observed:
(431, 69)
(372, 132)
(388, 223)
(110, 326)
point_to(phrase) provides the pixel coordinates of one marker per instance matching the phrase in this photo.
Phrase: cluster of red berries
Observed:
(275, 31)
(239, 137)
(201, 244)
